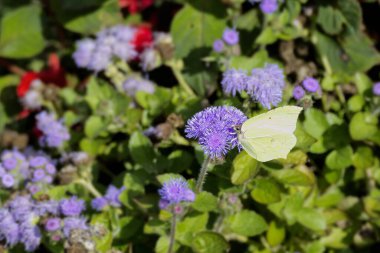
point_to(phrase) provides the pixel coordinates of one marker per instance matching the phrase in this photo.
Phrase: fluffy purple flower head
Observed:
(99, 203)
(21, 207)
(10, 163)
(175, 191)
(214, 127)
(38, 175)
(268, 6)
(47, 207)
(311, 84)
(83, 53)
(73, 223)
(231, 36)
(72, 206)
(52, 224)
(132, 85)
(234, 81)
(376, 89)
(298, 92)
(50, 169)
(30, 236)
(54, 132)
(112, 195)
(37, 161)
(9, 229)
(266, 85)
(218, 45)
(7, 180)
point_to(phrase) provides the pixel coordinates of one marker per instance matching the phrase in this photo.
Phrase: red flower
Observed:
(26, 81)
(54, 74)
(135, 6)
(143, 38)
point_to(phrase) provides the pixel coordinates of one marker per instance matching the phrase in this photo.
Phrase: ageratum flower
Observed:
(72, 206)
(52, 224)
(234, 81)
(99, 203)
(268, 6)
(311, 84)
(218, 45)
(83, 54)
(266, 85)
(298, 92)
(7, 180)
(132, 85)
(376, 89)
(54, 132)
(214, 128)
(73, 223)
(231, 36)
(175, 191)
(111, 198)
(9, 229)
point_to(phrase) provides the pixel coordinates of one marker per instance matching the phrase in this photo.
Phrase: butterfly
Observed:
(270, 135)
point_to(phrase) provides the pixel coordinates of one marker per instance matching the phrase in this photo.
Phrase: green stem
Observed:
(89, 186)
(181, 80)
(172, 231)
(202, 175)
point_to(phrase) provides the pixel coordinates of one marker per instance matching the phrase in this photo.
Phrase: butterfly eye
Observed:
(237, 128)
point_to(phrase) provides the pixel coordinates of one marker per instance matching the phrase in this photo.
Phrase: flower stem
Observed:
(172, 232)
(181, 80)
(89, 186)
(202, 175)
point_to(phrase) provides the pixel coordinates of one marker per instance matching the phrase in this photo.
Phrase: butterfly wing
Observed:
(270, 135)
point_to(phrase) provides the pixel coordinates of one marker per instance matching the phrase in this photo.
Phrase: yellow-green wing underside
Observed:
(270, 135)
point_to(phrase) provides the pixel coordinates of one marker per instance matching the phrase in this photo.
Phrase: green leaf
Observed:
(330, 19)
(292, 206)
(141, 150)
(311, 219)
(363, 158)
(266, 191)
(92, 147)
(104, 242)
(363, 125)
(247, 223)
(21, 33)
(339, 159)
(292, 177)
(362, 82)
(248, 63)
(276, 233)
(190, 226)
(331, 197)
(315, 122)
(356, 103)
(192, 29)
(93, 126)
(209, 242)
(205, 202)
(244, 167)
(351, 12)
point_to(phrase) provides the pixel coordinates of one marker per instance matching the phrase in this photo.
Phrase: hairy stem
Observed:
(202, 175)
(172, 232)
(181, 80)
(89, 186)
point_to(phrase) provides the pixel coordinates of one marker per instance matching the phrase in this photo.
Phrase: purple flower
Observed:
(72, 223)
(10, 163)
(132, 85)
(112, 195)
(32, 188)
(234, 81)
(7, 180)
(311, 84)
(175, 191)
(38, 175)
(83, 54)
(218, 45)
(47, 207)
(30, 236)
(268, 6)
(72, 206)
(50, 169)
(53, 224)
(54, 132)
(231, 36)
(21, 207)
(99, 203)
(37, 161)
(9, 229)
(376, 89)
(298, 92)
(101, 58)
(214, 127)
(265, 85)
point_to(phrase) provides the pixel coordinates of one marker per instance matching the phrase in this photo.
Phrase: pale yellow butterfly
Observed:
(270, 135)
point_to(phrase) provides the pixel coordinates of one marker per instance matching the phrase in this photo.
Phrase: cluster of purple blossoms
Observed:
(264, 85)
(132, 85)
(111, 198)
(230, 37)
(175, 191)
(214, 128)
(309, 84)
(22, 220)
(14, 168)
(267, 6)
(376, 89)
(54, 132)
(96, 54)
(41, 170)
